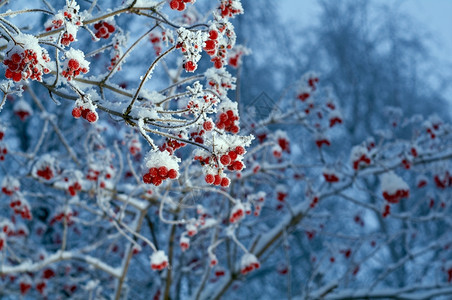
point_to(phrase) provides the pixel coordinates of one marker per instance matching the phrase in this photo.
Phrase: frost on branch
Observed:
(190, 43)
(69, 19)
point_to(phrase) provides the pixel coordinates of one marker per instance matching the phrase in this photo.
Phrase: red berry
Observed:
(225, 160)
(153, 172)
(225, 182)
(190, 66)
(213, 34)
(239, 150)
(91, 117)
(163, 172)
(76, 112)
(217, 180)
(174, 4)
(208, 126)
(73, 64)
(172, 174)
(209, 178)
(238, 165)
(232, 155)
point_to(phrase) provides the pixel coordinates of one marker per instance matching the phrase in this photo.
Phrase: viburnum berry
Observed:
(207, 125)
(209, 178)
(359, 156)
(225, 160)
(24, 284)
(190, 66)
(225, 182)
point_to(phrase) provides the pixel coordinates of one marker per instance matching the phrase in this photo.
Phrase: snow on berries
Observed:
(180, 4)
(335, 117)
(321, 140)
(248, 263)
(22, 109)
(70, 19)
(330, 175)
(24, 284)
(190, 43)
(230, 8)
(394, 188)
(25, 59)
(45, 167)
(228, 118)
(159, 260)
(20, 206)
(220, 80)
(74, 64)
(161, 166)
(10, 185)
(88, 114)
(104, 29)
(237, 212)
(359, 157)
(134, 146)
(184, 242)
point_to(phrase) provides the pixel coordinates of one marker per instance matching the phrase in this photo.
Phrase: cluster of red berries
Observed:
(66, 39)
(211, 43)
(284, 144)
(159, 260)
(45, 172)
(202, 160)
(86, 113)
(25, 65)
(237, 213)
(172, 145)
(217, 180)
(104, 30)
(421, 181)
(156, 43)
(74, 188)
(443, 182)
(229, 8)
(230, 161)
(20, 207)
(314, 201)
(396, 196)
(24, 286)
(73, 69)
(322, 141)
(303, 96)
(156, 176)
(197, 136)
(335, 120)
(184, 243)
(134, 147)
(312, 81)
(93, 174)
(227, 120)
(3, 152)
(55, 24)
(249, 264)
(61, 216)
(9, 190)
(281, 196)
(330, 176)
(179, 4)
(362, 159)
